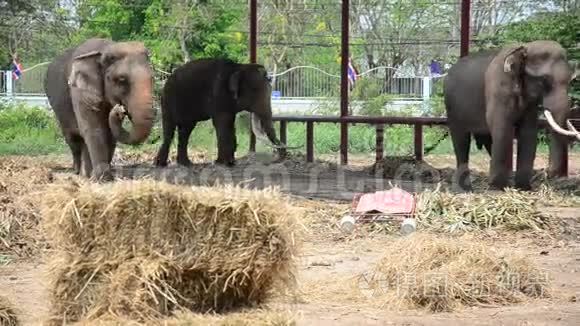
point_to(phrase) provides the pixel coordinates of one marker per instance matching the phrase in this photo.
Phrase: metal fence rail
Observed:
(296, 82)
(31, 81)
(3, 84)
(309, 81)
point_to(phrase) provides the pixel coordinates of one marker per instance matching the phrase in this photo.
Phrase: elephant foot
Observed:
(185, 162)
(160, 163)
(229, 163)
(523, 184)
(462, 189)
(497, 187)
(462, 182)
(554, 173)
(103, 173)
(524, 187)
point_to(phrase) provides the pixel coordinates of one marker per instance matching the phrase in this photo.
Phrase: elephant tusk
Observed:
(258, 131)
(571, 127)
(556, 127)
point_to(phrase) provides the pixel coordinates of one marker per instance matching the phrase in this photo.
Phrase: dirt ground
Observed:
(330, 257)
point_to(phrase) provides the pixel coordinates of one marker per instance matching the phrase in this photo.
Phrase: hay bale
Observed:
(511, 210)
(143, 249)
(8, 315)
(443, 274)
(244, 318)
(20, 177)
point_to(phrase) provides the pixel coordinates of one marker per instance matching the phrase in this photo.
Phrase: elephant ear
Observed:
(234, 84)
(86, 76)
(514, 59)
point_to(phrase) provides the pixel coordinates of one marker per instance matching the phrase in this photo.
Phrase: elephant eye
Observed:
(109, 59)
(122, 79)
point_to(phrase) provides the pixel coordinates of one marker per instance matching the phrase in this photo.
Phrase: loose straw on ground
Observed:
(439, 274)
(8, 315)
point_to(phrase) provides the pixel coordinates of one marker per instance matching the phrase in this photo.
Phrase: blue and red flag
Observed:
(352, 73)
(16, 70)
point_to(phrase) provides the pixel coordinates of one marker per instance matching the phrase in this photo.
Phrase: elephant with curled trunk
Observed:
(91, 88)
(497, 94)
(215, 89)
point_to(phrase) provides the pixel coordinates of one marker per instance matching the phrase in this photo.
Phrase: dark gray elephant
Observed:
(91, 88)
(215, 89)
(496, 95)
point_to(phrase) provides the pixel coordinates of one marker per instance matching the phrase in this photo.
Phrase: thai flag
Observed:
(16, 70)
(352, 73)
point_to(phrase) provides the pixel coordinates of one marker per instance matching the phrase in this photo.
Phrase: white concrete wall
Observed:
(282, 106)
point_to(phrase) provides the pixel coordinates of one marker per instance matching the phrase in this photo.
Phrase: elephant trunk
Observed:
(139, 108)
(263, 128)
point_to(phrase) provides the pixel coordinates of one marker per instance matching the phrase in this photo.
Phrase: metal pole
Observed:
(309, 141)
(253, 53)
(563, 168)
(253, 30)
(283, 133)
(465, 20)
(418, 140)
(344, 83)
(379, 142)
(9, 84)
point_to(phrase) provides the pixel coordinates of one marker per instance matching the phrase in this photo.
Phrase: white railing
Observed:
(298, 89)
(310, 82)
(30, 83)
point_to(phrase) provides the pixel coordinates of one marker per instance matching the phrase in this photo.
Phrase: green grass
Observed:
(29, 131)
(34, 131)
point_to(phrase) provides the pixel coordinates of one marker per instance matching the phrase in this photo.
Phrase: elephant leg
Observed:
(502, 135)
(99, 152)
(94, 131)
(112, 145)
(168, 132)
(86, 158)
(183, 139)
(461, 144)
(558, 144)
(527, 144)
(75, 143)
(226, 138)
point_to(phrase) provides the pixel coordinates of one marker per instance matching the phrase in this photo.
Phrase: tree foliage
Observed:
(32, 29)
(175, 30)
(404, 34)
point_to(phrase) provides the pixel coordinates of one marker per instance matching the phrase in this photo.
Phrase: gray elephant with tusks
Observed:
(92, 88)
(216, 90)
(498, 94)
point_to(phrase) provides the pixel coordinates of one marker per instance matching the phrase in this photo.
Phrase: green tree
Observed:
(34, 29)
(178, 31)
(115, 19)
(175, 31)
